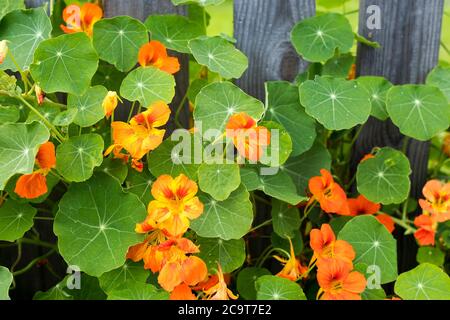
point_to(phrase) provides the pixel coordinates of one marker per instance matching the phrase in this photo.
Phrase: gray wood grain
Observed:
(262, 29)
(409, 36)
(141, 9)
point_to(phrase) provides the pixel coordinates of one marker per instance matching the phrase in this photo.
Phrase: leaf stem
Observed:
(40, 243)
(58, 135)
(265, 223)
(33, 263)
(22, 73)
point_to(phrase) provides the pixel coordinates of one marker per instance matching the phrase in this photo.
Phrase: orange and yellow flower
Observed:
(141, 135)
(293, 268)
(437, 200)
(173, 260)
(427, 226)
(328, 250)
(110, 103)
(81, 19)
(34, 185)
(328, 193)
(338, 283)
(155, 54)
(248, 138)
(174, 206)
(182, 292)
(220, 290)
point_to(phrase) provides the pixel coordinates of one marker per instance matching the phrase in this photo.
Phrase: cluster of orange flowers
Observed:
(34, 185)
(332, 199)
(165, 250)
(334, 261)
(436, 209)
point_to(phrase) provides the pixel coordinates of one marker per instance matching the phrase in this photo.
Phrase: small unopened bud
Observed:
(40, 95)
(110, 103)
(3, 50)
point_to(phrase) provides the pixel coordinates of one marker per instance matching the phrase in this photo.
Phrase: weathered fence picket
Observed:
(409, 37)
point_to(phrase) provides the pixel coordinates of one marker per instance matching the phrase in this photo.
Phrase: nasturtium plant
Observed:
(335, 103)
(317, 38)
(57, 64)
(117, 41)
(174, 31)
(25, 30)
(385, 177)
(134, 157)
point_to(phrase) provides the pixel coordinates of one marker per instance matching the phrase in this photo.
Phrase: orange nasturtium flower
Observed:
(293, 268)
(110, 103)
(154, 54)
(174, 206)
(328, 250)
(182, 292)
(220, 291)
(81, 19)
(3, 50)
(338, 283)
(141, 135)
(173, 260)
(34, 185)
(427, 229)
(328, 193)
(366, 157)
(437, 200)
(361, 205)
(248, 138)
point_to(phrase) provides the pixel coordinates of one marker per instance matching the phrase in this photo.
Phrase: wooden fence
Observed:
(409, 36)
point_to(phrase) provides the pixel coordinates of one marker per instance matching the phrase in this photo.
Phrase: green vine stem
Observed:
(55, 131)
(33, 263)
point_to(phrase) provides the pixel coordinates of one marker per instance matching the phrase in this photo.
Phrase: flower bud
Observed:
(110, 103)
(3, 50)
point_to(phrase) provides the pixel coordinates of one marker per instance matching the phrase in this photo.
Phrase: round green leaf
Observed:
(276, 288)
(280, 147)
(25, 30)
(336, 103)
(339, 66)
(229, 219)
(317, 38)
(377, 88)
(148, 85)
(285, 219)
(118, 277)
(369, 293)
(307, 165)
(229, 254)
(219, 56)
(419, 111)
(58, 292)
(19, 144)
(6, 279)
(65, 64)
(77, 157)
(283, 106)
(217, 102)
(134, 290)
(48, 111)
(219, 180)
(65, 118)
(167, 159)
(246, 280)
(431, 255)
(440, 77)
(118, 40)
(116, 168)
(140, 183)
(278, 185)
(6, 6)
(424, 282)
(384, 178)
(89, 106)
(15, 219)
(174, 31)
(105, 216)
(373, 245)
